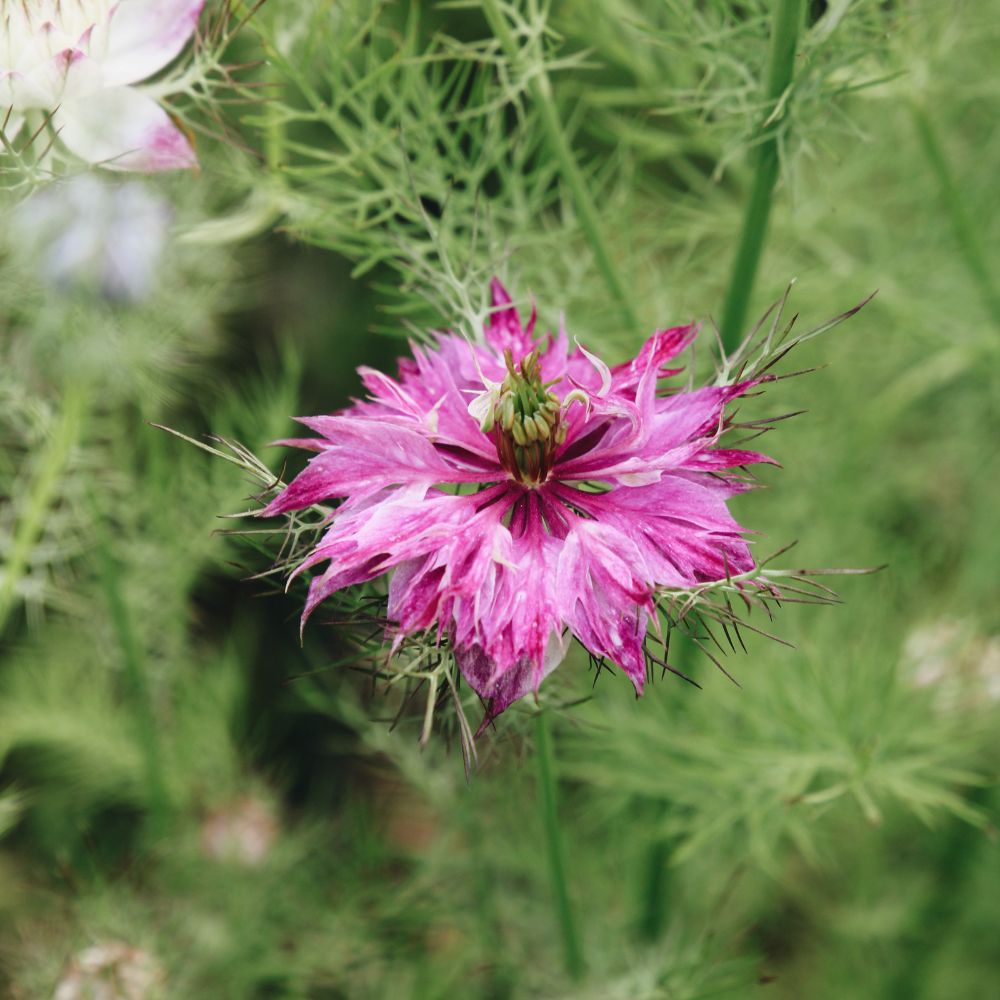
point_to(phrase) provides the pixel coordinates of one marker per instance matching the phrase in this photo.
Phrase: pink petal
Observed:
(508, 633)
(603, 595)
(123, 129)
(660, 434)
(681, 527)
(433, 394)
(145, 35)
(445, 584)
(727, 458)
(390, 531)
(503, 328)
(660, 348)
(362, 456)
(499, 689)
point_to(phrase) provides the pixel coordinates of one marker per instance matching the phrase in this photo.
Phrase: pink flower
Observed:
(556, 499)
(79, 60)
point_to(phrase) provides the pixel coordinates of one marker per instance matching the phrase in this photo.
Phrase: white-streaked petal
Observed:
(145, 35)
(602, 369)
(123, 129)
(69, 73)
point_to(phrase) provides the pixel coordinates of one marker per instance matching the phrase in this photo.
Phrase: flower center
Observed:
(526, 421)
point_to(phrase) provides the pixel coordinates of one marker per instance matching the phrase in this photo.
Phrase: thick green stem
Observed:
(784, 39)
(38, 498)
(572, 953)
(540, 90)
(966, 234)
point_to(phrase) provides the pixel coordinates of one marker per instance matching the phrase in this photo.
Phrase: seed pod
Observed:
(532, 465)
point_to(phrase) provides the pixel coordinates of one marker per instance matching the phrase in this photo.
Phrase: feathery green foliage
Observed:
(266, 816)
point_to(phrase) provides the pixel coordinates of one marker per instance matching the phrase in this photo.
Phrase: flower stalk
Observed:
(39, 496)
(572, 952)
(136, 678)
(784, 40)
(966, 234)
(654, 891)
(540, 90)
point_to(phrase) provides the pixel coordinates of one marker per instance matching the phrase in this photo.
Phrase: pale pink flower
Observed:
(111, 971)
(241, 832)
(79, 61)
(520, 490)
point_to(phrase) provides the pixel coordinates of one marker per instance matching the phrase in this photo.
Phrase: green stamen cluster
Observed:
(526, 420)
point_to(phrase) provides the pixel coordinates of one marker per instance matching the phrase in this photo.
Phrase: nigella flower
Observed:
(87, 233)
(78, 61)
(519, 491)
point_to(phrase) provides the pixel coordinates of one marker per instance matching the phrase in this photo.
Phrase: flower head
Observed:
(103, 236)
(78, 60)
(519, 490)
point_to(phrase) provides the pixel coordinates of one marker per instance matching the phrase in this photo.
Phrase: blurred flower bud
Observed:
(86, 233)
(111, 971)
(242, 833)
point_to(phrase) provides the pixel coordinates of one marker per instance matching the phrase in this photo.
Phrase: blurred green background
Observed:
(190, 797)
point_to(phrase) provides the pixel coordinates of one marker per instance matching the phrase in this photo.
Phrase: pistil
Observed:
(526, 421)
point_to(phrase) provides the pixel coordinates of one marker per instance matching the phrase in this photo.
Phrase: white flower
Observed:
(101, 235)
(78, 61)
(111, 971)
(956, 662)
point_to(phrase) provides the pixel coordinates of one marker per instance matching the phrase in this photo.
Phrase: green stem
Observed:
(955, 866)
(572, 953)
(499, 967)
(135, 673)
(655, 890)
(784, 39)
(39, 496)
(540, 90)
(966, 234)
